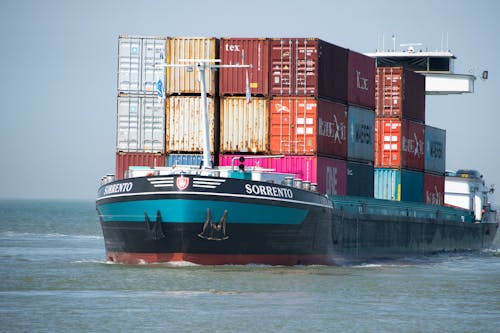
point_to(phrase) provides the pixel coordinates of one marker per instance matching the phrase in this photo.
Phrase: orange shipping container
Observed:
(399, 143)
(306, 126)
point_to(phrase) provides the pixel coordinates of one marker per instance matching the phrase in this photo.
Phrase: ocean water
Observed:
(54, 278)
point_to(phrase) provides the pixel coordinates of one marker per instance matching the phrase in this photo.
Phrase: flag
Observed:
(247, 93)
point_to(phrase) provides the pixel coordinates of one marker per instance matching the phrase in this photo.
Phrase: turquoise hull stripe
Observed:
(188, 211)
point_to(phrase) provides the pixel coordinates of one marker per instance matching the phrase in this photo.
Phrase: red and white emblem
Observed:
(182, 182)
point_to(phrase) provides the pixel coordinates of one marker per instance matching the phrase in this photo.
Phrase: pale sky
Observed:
(59, 62)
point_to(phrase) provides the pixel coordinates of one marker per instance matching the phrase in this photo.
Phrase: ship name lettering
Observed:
(271, 191)
(118, 188)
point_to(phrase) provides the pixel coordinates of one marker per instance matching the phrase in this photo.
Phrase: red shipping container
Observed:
(399, 143)
(232, 81)
(306, 125)
(126, 160)
(330, 174)
(400, 93)
(308, 67)
(434, 189)
(360, 80)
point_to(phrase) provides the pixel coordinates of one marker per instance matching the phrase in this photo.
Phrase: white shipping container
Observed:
(184, 125)
(244, 126)
(137, 60)
(140, 124)
(181, 80)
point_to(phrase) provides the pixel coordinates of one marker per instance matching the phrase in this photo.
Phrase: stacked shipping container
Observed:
(409, 155)
(327, 109)
(361, 124)
(300, 108)
(140, 138)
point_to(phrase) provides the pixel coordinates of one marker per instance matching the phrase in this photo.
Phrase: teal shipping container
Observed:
(435, 150)
(399, 185)
(361, 134)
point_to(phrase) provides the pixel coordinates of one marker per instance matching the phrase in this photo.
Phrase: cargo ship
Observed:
(298, 183)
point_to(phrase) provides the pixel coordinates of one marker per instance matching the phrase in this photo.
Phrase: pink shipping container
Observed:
(434, 189)
(179, 79)
(244, 127)
(232, 81)
(184, 126)
(308, 67)
(399, 143)
(400, 93)
(126, 160)
(306, 125)
(330, 174)
(361, 80)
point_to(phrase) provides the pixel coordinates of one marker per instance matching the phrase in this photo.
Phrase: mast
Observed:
(202, 65)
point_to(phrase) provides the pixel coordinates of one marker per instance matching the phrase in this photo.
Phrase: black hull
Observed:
(163, 230)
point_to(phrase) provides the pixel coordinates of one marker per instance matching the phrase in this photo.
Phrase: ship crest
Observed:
(182, 182)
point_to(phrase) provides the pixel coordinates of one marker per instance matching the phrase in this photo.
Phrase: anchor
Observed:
(214, 231)
(154, 232)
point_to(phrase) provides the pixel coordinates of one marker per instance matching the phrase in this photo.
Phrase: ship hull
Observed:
(213, 221)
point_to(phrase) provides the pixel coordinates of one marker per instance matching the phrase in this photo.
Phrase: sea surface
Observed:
(54, 278)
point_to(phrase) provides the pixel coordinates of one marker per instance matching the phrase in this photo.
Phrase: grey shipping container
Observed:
(137, 60)
(140, 124)
(360, 179)
(435, 150)
(361, 132)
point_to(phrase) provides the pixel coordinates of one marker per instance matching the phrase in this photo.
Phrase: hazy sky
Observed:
(59, 62)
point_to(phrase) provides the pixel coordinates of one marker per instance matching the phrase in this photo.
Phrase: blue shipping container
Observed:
(361, 132)
(184, 159)
(359, 179)
(399, 185)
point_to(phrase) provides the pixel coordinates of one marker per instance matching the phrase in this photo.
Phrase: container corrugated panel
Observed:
(434, 189)
(184, 127)
(398, 184)
(137, 57)
(400, 93)
(232, 81)
(308, 67)
(399, 143)
(330, 174)
(361, 80)
(360, 179)
(126, 160)
(361, 132)
(435, 149)
(182, 81)
(140, 124)
(244, 127)
(184, 159)
(306, 125)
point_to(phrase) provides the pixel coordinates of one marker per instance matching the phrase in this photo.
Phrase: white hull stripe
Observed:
(217, 195)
